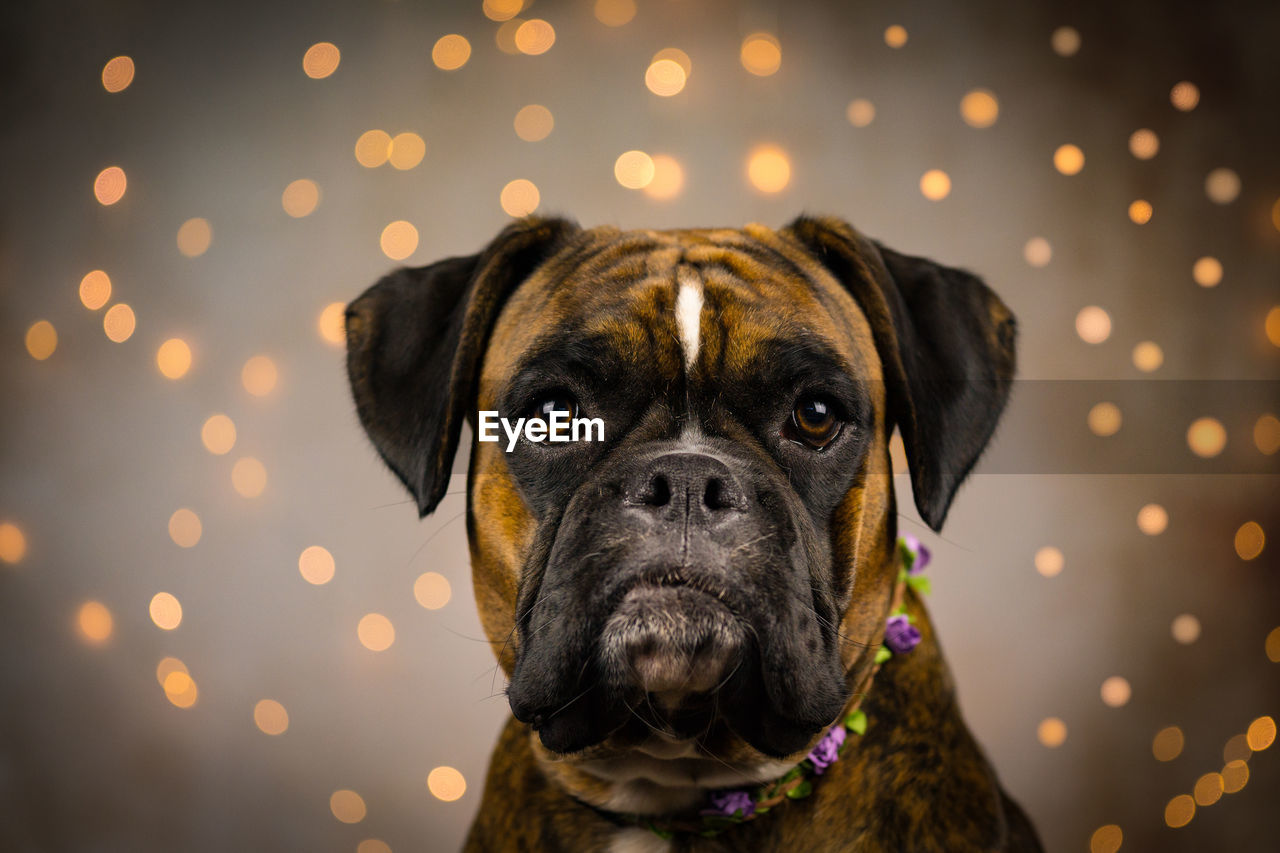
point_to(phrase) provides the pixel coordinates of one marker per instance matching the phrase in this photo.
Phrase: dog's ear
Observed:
(946, 343)
(414, 344)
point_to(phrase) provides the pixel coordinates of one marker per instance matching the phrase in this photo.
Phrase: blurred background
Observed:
(222, 625)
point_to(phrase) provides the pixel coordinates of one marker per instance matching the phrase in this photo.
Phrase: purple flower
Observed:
(922, 554)
(900, 635)
(827, 752)
(729, 803)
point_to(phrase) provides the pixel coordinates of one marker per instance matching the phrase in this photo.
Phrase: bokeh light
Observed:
(1250, 539)
(451, 52)
(1237, 749)
(94, 622)
(1235, 775)
(501, 10)
(185, 528)
(1144, 144)
(1049, 561)
(117, 74)
(761, 54)
(860, 112)
(1093, 324)
(895, 36)
(259, 375)
(218, 434)
(535, 37)
(519, 197)
(614, 13)
(13, 543)
(1206, 437)
(1168, 743)
(180, 688)
(979, 108)
(1052, 732)
(1104, 419)
(165, 610)
(446, 784)
(1207, 271)
(41, 340)
(376, 632)
(1037, 252)
(316, 565)
(347, 806)
(432, 590)
(1140, 211)
(194, 237)
(168, 665)
(667, 74)
(1153, 519)
(668, 178)
(1065, 41)
(1272, 325)
(1116, 691)
(1185, 628)
(332, 323)
(1222, 186)
(173, 358)
(505, 37)
(1147, 356)
(399, 240)
(119, 322)
(1261, 733)
(1106, 839)
(1266, 434)
(95, 289)
(300, 198)
(407, 150)
(109, 185)
(270, 717)
(1271, 646)
(935, 185)
(373, 845)
(249, 477)
(633, 169)
(1179, 811)
(1208, 789)
(534, 123)
(1184, 96)
(769, 169)
(321, 60)
(373, 148)
(1068, 159)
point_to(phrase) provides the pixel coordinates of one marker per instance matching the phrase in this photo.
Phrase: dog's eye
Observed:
(558, 401)
(813, 422)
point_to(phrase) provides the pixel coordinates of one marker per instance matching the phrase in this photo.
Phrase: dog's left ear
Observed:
(414, 344)
(946, 343)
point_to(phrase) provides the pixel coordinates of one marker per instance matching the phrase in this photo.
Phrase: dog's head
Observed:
(719, 567)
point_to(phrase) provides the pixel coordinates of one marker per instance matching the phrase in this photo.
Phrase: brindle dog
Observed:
(689, 604)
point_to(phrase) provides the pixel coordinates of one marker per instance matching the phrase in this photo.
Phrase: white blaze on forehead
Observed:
(689, 312)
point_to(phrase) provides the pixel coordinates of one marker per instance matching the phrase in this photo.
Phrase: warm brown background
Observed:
(97, 449)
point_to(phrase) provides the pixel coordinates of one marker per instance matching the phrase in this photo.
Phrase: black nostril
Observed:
(658, 492)
(716, 496)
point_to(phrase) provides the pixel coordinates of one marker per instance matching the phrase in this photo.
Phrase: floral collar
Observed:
(727, 808)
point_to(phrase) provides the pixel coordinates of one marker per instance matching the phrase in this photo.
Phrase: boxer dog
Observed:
(688, 609)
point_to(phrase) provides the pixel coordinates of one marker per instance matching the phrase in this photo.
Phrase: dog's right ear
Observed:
(414, 344)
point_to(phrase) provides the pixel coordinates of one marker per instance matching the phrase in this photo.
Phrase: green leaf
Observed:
(856, 722)
(883, 654)
(793, 773)
(799, 792)
(920, 584)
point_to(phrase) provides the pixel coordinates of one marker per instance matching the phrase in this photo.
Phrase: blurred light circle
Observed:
(432, 590)
(860, 112)
(1272, 325)
(614, 13)
(519, 197)
(1266, 434)
(1179, 811)
(180, 688)
(1144, 144)
(534, 123)
(1272, 645)
(41, 340)
(665, 77)
(373, 148)
(399, 240)
(168, 665)
(117, 74)
(173, 358)
(13, 543)
(270, 717)
(1222, 186)
(1275, 214)
(501, 10)
(505, 37)
(376, 632)
(194, 237)
(166, 611)
(347, 806)
(1104, 419)
(1065, 41)
(259, 375)
(1049, 561)
(95, 289)
(300, 198)
(446, 784)
(218, 434)
(895, 36)
(1147, 356)
(1237, 749)
(407, 150)
(1167, 744)
(1208, 789)
(109, 185)
(1068, 159)
(979, 108)
(1106, 839)
(451, 52)
(534, 37)
(1206, 437)
(633, 169)
(95, 622)
(1140, 212)
(761, 54)
(1116, 691)
(316, 565)
(1185, 628)
(1261, 733)
(1037, 252)
(333, 323)
(769, 169)
(935, 185)
(1051, 732)
(249, 477)
(1093, 324)
(1235, 775)
(1153, 519)
(321, 60)
(185, 528)
(1184, 96)
(1207, 271)
(119, 323)
(373, 845)
(1250, 540)
(668, 178)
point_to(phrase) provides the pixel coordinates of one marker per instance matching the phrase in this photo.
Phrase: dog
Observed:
(691, 613)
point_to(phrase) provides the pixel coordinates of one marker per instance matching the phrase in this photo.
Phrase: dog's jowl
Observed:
(709, 624)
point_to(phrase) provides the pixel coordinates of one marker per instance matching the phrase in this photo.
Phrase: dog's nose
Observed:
(674, 485)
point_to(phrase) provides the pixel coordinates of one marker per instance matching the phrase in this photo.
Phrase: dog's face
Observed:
(717, 570)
